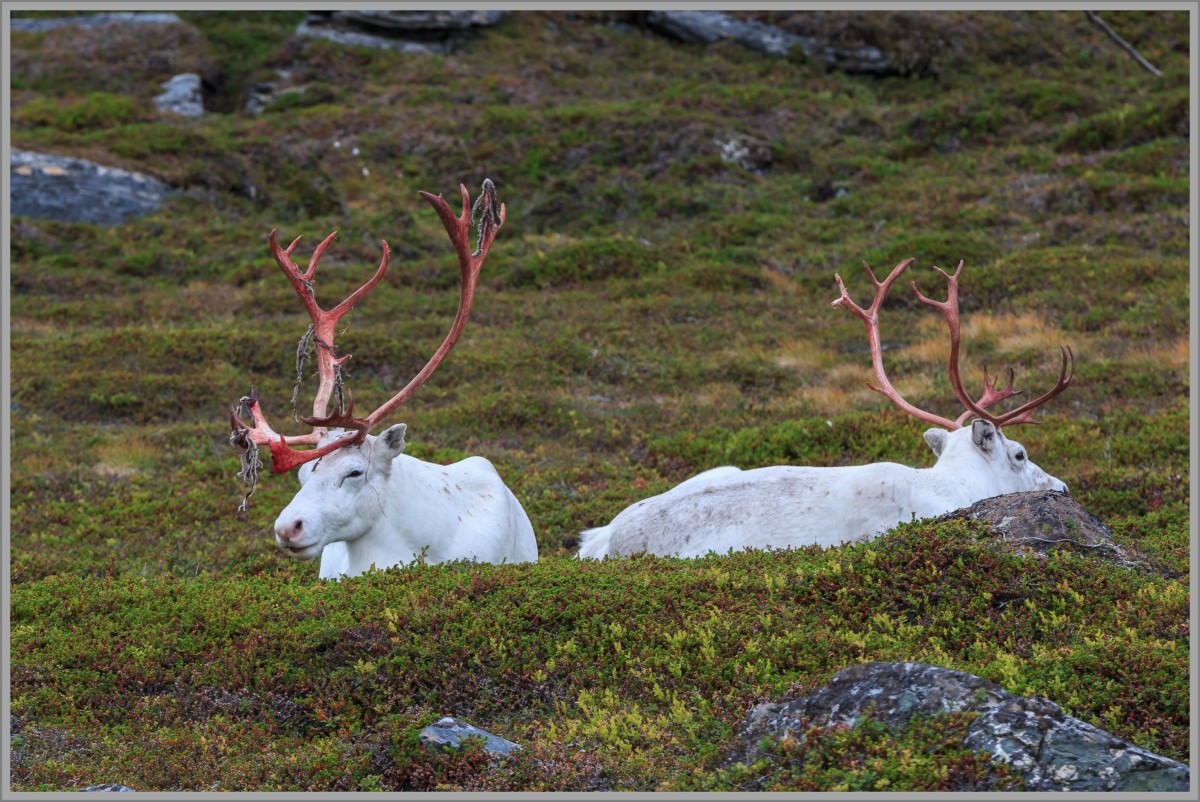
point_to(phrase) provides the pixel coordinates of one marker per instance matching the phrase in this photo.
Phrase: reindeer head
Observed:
(349, 431)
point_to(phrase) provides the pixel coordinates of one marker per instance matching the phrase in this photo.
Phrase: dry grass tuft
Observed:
(125, 458)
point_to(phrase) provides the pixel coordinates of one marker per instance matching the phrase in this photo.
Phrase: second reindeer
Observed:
(788, 506)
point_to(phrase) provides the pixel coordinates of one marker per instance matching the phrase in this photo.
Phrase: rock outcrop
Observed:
(406, 31)
(1031, 735)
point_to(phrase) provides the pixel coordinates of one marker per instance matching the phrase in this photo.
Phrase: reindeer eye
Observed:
(351, 475)
(1020, 456)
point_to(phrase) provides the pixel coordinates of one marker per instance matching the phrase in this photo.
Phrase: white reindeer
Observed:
(362, 502)
(784, 506)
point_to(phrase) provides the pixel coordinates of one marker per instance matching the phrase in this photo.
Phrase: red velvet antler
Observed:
(283, 457)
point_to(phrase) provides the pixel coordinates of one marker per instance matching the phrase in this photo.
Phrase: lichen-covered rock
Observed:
(78, 191)
(449, 733)
(1031, 735)
(109, 787)
(1040, 521)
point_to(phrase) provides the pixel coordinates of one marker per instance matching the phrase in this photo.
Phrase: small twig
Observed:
(1128, 48)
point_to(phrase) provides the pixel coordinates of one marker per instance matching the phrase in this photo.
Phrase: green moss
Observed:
(1129, 124)
(96, 110)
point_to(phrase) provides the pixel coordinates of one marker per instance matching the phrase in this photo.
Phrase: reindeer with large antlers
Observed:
(362, 502)
(781, 506)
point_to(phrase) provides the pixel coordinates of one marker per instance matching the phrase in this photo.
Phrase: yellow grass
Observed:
(125, 457)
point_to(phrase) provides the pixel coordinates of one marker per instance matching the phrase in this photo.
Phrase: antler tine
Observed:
(990, 394)
(870, 317)
(1024, 413)
(458, 229)
(881, 290)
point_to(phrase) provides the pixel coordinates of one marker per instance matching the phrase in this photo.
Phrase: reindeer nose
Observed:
(290, 533)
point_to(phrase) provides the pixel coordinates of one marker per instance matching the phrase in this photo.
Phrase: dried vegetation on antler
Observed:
(247, 438)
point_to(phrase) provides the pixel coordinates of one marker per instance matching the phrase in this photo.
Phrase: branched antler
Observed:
(949, 311)
(329, 365)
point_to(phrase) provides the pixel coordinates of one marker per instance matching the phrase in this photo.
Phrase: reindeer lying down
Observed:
(362, 502)
(728, 508)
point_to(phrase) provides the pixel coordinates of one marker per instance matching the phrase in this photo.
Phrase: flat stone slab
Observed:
(39, 24)
(73, 190)
(449, 733)
(1032, 735)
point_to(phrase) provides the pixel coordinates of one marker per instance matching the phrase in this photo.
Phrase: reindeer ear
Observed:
(388, 446)
(983, 434)
(936, 438)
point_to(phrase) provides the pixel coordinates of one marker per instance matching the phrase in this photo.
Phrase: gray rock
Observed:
(421, 20)
(448, 733)
(1031, 735)
(1040, 518)
(78, 191)
(108, 787)
(182, 95)
(39, 24)
(708, 27)
(405, 31)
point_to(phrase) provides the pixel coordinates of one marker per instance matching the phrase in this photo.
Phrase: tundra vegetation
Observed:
(650, 310)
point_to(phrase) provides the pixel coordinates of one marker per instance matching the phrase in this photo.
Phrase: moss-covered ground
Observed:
(649, 310)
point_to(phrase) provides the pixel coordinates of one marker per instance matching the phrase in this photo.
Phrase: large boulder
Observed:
(1031, 735)
(79, 191)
